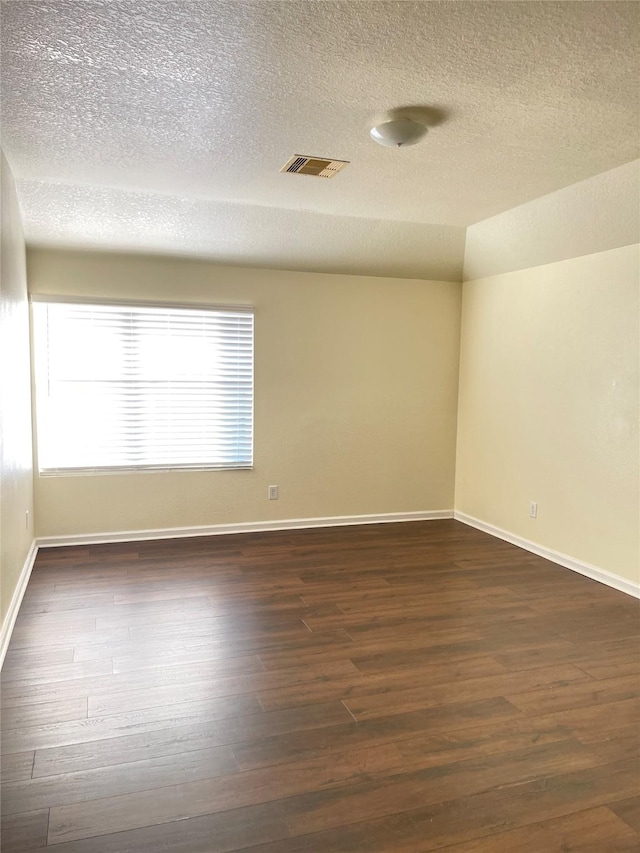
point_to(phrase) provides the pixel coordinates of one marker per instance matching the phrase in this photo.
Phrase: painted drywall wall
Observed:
(16, 489)
(591, 216)
(548, 406)
(355, 397)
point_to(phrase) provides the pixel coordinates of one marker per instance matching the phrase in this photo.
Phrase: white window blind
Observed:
(121, 387)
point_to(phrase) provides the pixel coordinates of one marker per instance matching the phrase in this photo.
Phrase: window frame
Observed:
(97, 470)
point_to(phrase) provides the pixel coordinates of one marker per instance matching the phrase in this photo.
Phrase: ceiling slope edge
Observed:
(594, 215)
(237, 234)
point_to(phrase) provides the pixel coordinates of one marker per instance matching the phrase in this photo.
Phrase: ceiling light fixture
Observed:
(398, 133)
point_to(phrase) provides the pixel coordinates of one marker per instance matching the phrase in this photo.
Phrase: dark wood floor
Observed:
(405, 687)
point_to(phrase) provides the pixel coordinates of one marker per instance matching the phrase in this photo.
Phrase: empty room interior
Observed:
(319, 363)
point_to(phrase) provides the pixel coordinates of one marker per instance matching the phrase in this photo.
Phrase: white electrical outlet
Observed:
(273, 493)
(533, 510)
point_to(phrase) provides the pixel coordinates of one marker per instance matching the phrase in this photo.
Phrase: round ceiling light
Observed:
(398, 133)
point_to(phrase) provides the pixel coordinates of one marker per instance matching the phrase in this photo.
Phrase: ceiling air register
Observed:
(318, 167)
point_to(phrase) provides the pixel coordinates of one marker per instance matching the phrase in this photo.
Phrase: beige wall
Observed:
(548, 406)
(16, 490)
(355, 397)
(548, 402)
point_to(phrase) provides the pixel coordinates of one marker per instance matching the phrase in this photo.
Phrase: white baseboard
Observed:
(241, 527)
(16, 600)
(593, 572)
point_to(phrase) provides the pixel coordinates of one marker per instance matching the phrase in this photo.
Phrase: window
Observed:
(130, 387)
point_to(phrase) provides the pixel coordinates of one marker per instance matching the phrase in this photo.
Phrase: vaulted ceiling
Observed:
(162, 126)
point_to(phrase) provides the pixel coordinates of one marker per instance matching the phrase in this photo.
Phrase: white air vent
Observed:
(319, 167)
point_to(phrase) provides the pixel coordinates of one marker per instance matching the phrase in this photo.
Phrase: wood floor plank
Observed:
(392, 688)
(222, 628)
(29, 633)
(214, 688)
(38, 589)
(406, 610)
(170, 737)
(543, 654)
(487, 814)
(108, 617)
(601, 718)
(124, 584)
(116, 779)
(616, 745)
(628, 811)
(587, 598)
(399, 679)
(591, 831)
(192, 799)
(578, 694)
(234, 830)
(45, 674)
(605, 670)
(413, 735)
(371, 799)
(35, 640)
(430, 695)
(65, 603)
(165, 804)
(103, 684)
(24, 832)
(349, 648)
(18, 659)
(130, 654)
(388, 627)
(42, 714)
(88, 729)
(17, 766)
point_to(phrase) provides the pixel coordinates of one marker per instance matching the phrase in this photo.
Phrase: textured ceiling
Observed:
(241, 234)
(163, 125)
